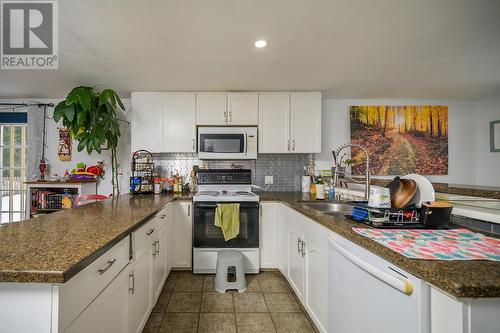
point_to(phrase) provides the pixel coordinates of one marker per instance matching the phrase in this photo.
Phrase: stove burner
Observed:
(243, 193)
(209, 193)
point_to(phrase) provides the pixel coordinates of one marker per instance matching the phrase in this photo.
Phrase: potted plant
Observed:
(91, 117)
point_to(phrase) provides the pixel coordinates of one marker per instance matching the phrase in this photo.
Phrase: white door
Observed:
(274, 123)
(305, 122)
(160, 259)
(139, 297)
(211, 108)
(316, 282)
(108, 311)
(179, 128)
(296, 261)
(183, 231)
(269, 224)
(243, 108)
(147, 121)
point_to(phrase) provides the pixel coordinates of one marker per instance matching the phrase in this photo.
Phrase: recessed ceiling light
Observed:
(260, 43)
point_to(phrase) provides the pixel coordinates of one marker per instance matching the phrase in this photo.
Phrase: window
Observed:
(12, 167)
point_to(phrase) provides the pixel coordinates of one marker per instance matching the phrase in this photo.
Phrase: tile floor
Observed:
(189, 303)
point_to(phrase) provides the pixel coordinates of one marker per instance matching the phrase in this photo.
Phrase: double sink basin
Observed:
(331, 208)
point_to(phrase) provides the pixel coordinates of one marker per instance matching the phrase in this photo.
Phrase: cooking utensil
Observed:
(403, 192)
(334, 157)
(435, 214)
(425, 188)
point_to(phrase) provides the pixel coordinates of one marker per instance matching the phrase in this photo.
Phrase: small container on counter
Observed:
(306, 184)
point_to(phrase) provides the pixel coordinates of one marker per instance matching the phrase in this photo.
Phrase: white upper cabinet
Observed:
(179, 123)
(163, 122)
(274, 122)
(211, 108)
(242, 109)
(147, 112)
(290, 122)
(305, 122)
(220, 108)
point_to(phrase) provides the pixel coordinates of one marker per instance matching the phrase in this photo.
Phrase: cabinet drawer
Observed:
(80, 290)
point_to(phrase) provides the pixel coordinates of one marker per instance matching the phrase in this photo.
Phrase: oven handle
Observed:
(214, 204)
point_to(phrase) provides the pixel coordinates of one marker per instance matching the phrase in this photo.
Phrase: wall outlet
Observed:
(269, 180)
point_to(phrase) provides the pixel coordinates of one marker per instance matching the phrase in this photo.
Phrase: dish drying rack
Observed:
(386, 217)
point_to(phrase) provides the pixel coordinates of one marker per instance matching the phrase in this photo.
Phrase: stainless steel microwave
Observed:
(228, 143)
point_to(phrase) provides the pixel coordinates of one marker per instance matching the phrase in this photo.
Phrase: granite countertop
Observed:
(52, 248)
(462, 279)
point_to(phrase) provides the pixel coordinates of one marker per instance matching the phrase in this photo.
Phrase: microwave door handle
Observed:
(246, 143)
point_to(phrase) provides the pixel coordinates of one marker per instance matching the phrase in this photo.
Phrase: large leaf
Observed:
(59, 111)
(81, 144)
(107, 95)
(69, 113)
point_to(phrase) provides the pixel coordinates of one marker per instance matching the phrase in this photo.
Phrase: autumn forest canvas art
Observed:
(401, 139)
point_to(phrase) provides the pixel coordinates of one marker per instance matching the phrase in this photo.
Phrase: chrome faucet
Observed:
(367, 170)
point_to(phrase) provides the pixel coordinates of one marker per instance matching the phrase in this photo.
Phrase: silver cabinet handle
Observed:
(288, 147)
(158, 246)
(108, 266)
(230, 116)
(163, 216)
(132, 289)
(225, 117)
(154, 248)
(150, 231)
(302, 248)
(293, 145)
(193, 144)
(189, 210)
(298, 245)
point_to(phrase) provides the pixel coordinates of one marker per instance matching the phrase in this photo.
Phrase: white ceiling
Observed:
(346, 48)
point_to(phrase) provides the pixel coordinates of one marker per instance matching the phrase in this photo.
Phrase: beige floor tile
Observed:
(217, 323)
(254, 322)
(249, 302)
(184, 302)
(291, 323)
(273, 284)
(252, 283)
(169, 284)
(217, 302)
(153, 323)
(179, 322)
(208, 283)
(271, 273)
(162, 302)
(282, 302)
(188, 284)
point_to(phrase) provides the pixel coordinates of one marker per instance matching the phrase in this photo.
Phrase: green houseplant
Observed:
(91, 117)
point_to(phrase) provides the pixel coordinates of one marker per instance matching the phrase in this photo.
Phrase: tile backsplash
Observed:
(286, 169)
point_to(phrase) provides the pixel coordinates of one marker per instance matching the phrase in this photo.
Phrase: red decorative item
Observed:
(43, 168)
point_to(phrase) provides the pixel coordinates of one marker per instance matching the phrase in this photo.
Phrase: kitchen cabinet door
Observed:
(170, 237)
(108, 311)
(282, 242)
(316, 282)
(140, 292)
(183, 231)
(296, 261)
(179, 128)
(274, 122)
(269, 224)
(146, 129)
(211, 108)
(305, 122)
(243, 109)
(160, 257)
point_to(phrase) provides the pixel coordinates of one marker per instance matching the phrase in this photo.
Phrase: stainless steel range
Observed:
(216, 186)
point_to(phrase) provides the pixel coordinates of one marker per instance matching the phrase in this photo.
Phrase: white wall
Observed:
(487, 163)
(461, 137)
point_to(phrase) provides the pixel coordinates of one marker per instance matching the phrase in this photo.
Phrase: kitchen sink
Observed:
(330, 207)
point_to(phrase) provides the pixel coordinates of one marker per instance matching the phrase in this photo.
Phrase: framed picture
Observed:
(495, 136)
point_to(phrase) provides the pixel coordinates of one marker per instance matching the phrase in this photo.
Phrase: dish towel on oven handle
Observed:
(227, 217)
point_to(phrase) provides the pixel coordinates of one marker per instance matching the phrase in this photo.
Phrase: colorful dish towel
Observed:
(227, 217)
(455, 244)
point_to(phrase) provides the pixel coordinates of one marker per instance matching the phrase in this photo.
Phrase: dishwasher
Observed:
(368, 294)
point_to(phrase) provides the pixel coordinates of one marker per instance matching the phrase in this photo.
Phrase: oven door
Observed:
(207, 235)
(215, 143)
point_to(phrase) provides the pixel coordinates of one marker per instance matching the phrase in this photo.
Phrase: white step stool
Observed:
(225, 260)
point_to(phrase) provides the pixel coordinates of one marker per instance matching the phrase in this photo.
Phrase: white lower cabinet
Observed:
(302, 257)
(108, 312)
(269, 231)
(183, 231)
